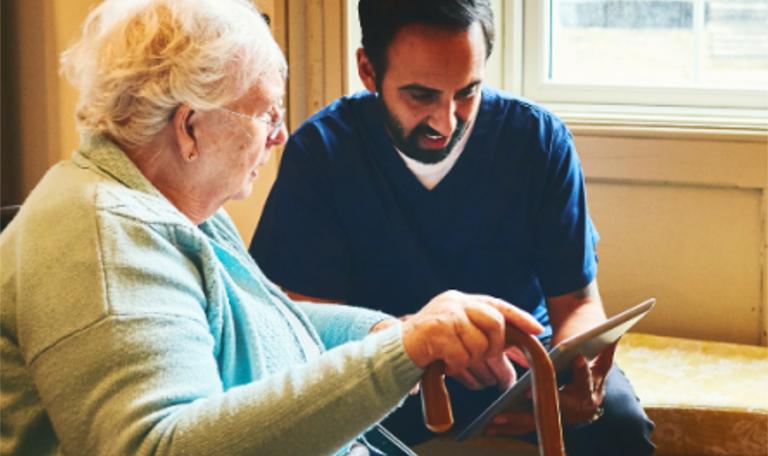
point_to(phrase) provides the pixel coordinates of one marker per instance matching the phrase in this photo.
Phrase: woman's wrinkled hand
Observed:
(464, 331)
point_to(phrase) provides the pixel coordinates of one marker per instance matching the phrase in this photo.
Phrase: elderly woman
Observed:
(133, 319)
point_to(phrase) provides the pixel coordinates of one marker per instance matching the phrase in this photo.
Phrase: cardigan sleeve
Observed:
(149, 385)
(338, 323)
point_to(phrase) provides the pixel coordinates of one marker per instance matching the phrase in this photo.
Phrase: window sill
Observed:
(663, 121)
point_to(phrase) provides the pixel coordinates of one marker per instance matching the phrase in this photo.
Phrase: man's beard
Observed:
(409, 145)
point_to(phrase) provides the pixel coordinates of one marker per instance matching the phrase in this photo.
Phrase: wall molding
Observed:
(686, 158)
(673, 133)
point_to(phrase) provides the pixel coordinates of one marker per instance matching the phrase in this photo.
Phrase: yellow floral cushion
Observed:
(707, 398)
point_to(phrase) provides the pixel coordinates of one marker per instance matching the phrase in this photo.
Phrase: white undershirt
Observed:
(430, 174)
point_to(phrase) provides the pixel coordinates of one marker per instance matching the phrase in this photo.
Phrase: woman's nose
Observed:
(280, 137)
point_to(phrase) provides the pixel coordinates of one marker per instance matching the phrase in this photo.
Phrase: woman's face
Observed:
(236, 140)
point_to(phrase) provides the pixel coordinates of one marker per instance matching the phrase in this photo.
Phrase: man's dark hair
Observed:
(380, 20)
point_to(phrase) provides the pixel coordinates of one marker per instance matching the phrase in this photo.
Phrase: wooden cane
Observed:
(436, 405)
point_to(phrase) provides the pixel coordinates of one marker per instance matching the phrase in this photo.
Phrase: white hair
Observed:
(138, 60)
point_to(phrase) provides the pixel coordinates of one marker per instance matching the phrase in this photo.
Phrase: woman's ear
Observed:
(365, 70)
(184, 132)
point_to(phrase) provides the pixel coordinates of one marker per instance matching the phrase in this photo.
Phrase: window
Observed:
(682, 43)
(690, 53)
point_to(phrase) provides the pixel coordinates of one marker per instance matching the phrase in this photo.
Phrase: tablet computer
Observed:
(589, 343)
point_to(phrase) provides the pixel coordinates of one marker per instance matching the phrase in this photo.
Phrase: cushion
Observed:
(707, 398)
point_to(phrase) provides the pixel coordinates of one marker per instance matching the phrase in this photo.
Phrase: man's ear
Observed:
(365, 70)
(184, 132)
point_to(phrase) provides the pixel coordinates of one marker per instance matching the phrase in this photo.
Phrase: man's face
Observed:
(430, 90)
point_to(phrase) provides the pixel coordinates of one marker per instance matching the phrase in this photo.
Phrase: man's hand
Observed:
(580, 399)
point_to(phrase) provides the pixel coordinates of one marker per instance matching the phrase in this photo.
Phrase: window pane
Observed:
(707, 43)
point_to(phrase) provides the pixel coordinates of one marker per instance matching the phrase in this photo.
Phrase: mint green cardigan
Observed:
(128, 330)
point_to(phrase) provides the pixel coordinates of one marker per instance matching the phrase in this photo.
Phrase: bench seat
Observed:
(706, 398)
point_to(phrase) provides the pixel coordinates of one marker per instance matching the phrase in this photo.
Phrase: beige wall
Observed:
(30, 96)
(681, 215)
(681, 212)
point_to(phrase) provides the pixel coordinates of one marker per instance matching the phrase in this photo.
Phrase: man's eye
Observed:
(422, 97)
(468, 93)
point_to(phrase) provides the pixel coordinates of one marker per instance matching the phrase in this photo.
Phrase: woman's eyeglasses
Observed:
(274, 117)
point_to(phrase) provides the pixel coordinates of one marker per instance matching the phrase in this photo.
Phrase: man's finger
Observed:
(581, 378)
(600, 367)
(603, 362)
